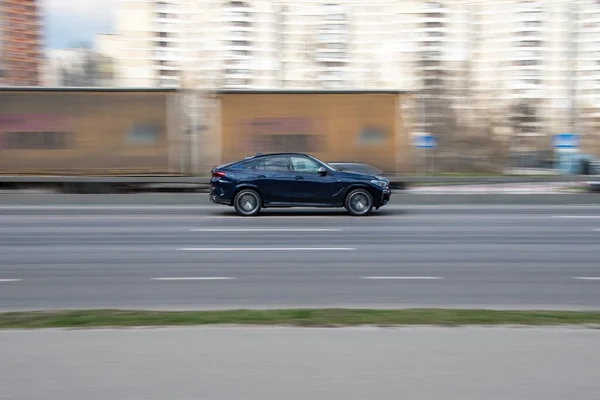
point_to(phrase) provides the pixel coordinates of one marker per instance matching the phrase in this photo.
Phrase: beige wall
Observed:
(333, 127)
(96, 132)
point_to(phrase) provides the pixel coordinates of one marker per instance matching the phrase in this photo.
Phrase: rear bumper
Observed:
(217, 196)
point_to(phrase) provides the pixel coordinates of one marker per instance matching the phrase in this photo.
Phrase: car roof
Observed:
(259, 155)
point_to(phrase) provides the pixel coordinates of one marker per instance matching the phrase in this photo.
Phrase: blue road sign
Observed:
(566, 141)
(426, 142)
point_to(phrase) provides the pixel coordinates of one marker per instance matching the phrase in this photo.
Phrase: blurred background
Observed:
(178, 86)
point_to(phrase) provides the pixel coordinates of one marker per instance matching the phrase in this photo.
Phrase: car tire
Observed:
(359, 202)
(247, 203)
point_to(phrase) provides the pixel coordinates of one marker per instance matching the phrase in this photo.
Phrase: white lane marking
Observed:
(10, 280)
(194, 278)
(265, 230)
(577, 216)
(587, 278)
(267, 248)
(402, 277)
(213, 207)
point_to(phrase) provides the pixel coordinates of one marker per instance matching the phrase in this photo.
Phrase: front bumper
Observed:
(386, 195)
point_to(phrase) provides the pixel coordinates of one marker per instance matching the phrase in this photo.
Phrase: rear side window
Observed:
(281, 164)
(246, 165)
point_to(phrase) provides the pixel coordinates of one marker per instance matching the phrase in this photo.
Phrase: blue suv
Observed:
(295, 180)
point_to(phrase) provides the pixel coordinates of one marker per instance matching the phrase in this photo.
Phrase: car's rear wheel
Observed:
(359, 202)
(247, 202)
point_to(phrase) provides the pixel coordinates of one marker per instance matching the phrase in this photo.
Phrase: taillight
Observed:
(218, 174)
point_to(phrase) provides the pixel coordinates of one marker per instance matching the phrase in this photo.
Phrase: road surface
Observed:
(301, 364)
(205, 257)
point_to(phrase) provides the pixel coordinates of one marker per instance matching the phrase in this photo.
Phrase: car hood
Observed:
(358, 175)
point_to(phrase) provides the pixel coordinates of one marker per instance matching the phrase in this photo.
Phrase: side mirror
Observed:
(322, 171)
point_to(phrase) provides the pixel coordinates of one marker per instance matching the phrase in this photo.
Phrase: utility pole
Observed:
(572, 57)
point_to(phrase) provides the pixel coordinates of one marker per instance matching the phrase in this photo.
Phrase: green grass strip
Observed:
(292, 317)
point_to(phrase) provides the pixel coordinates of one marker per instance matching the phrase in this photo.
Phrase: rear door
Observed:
(274, 178)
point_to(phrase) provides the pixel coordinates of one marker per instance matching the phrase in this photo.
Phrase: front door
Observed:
(312, 187)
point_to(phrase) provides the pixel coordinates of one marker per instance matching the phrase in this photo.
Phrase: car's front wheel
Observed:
(359, 202)
(247, 203)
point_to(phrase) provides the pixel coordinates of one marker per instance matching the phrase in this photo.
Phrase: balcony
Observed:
(239, 46)
(171, 66)
(528, 44)
(333, 38)
(165, 18)
(526, 55)
(330, 56)
(431, 29)
(166, 56)
(433, 18)
(166, 27)
(167, 8)
(232, 36)
(524, 36)
(241, 55)
(333, 30)
(240, 16)
(436, 40)
(171, 39)
(238, 73)
(241, 7)
(167, 82)
(237, 82)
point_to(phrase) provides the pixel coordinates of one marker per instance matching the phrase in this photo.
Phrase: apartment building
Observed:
(520, 69)
(20, 43)
(260, 44)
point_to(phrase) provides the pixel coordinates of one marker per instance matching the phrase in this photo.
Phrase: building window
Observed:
(433, 5)
(240, 52)
(37, 140)
(531, 81)
(532, 24)
(145, 134)
(239, 43)
(527, 62)
(530, 43)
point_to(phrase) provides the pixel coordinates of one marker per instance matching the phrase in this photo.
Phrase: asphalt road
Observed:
(205, 257)
(301, 364)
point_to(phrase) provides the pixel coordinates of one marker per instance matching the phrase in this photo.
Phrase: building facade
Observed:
(20, 42)
(516, 70)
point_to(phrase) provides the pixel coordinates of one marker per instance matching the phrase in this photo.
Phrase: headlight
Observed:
(382, 184)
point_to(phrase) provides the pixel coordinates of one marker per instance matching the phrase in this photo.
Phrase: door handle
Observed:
(260, 176)
(299, 178)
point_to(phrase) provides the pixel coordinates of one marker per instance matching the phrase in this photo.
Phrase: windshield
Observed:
(330, 167)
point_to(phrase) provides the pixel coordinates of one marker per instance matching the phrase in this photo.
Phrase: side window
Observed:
(247, 166)
(303, 164)
(281, 164)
